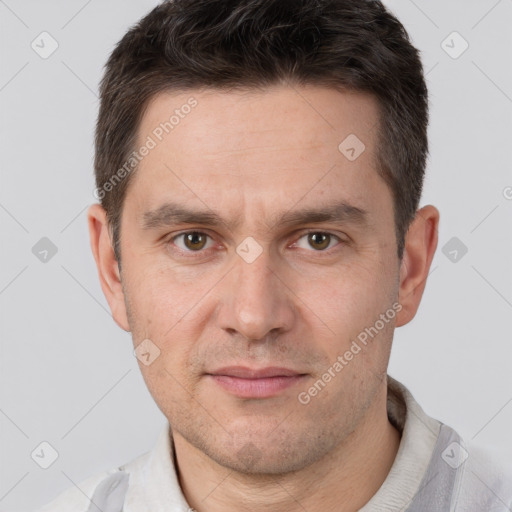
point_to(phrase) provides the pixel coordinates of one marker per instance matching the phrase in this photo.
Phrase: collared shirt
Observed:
(434, 471)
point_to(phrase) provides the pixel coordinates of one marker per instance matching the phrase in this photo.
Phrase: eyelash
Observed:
(195, 254)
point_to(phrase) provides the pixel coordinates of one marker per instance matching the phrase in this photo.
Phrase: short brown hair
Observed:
(353, 45)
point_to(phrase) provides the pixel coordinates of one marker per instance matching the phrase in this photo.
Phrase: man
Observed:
(259, 165)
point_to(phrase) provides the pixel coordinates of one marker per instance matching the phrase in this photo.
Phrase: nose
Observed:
(256, 302)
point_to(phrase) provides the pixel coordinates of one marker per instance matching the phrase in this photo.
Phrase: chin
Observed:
(264, 454)
(252, 461)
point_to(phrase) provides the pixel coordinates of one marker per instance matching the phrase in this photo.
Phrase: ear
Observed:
(420, 246)
(106, 262)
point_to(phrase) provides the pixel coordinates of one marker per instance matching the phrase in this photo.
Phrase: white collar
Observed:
(419, 436)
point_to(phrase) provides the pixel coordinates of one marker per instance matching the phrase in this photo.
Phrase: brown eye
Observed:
(192, 241)
(319, 240)
(195, 241)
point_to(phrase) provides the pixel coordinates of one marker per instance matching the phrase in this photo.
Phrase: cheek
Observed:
(171, 314)
(168, 387)
(348, 297)
(157, 298)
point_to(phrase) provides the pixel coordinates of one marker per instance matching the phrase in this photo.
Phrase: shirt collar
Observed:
(419, 437)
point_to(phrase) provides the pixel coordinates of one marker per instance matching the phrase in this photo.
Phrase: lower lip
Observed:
(256, 388)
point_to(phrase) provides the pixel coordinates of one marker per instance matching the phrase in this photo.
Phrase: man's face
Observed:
(211, 300)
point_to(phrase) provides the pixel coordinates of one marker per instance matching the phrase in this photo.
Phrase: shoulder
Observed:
(485, 481)
(77, 498)
(102, 492)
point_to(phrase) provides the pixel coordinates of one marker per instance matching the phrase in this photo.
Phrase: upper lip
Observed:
(243, 372)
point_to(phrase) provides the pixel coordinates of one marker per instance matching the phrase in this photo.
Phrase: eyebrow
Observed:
(170, 214)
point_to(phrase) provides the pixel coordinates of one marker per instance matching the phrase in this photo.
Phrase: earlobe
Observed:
(107, 265)
(420, 247)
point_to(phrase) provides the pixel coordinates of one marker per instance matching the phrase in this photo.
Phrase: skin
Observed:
(250, 156)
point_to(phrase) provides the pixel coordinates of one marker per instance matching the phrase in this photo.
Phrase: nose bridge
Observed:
(254, 278)
(258, 302)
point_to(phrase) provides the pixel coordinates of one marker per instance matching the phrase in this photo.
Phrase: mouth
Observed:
(255, 383)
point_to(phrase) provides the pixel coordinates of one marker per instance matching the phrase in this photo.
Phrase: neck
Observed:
(344, 480)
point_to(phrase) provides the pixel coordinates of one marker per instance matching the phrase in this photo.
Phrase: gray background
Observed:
(67, 371)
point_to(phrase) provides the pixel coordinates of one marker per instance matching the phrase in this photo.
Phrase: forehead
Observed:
(221, 123)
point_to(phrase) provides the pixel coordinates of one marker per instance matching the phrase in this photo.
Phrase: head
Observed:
(259, 166)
